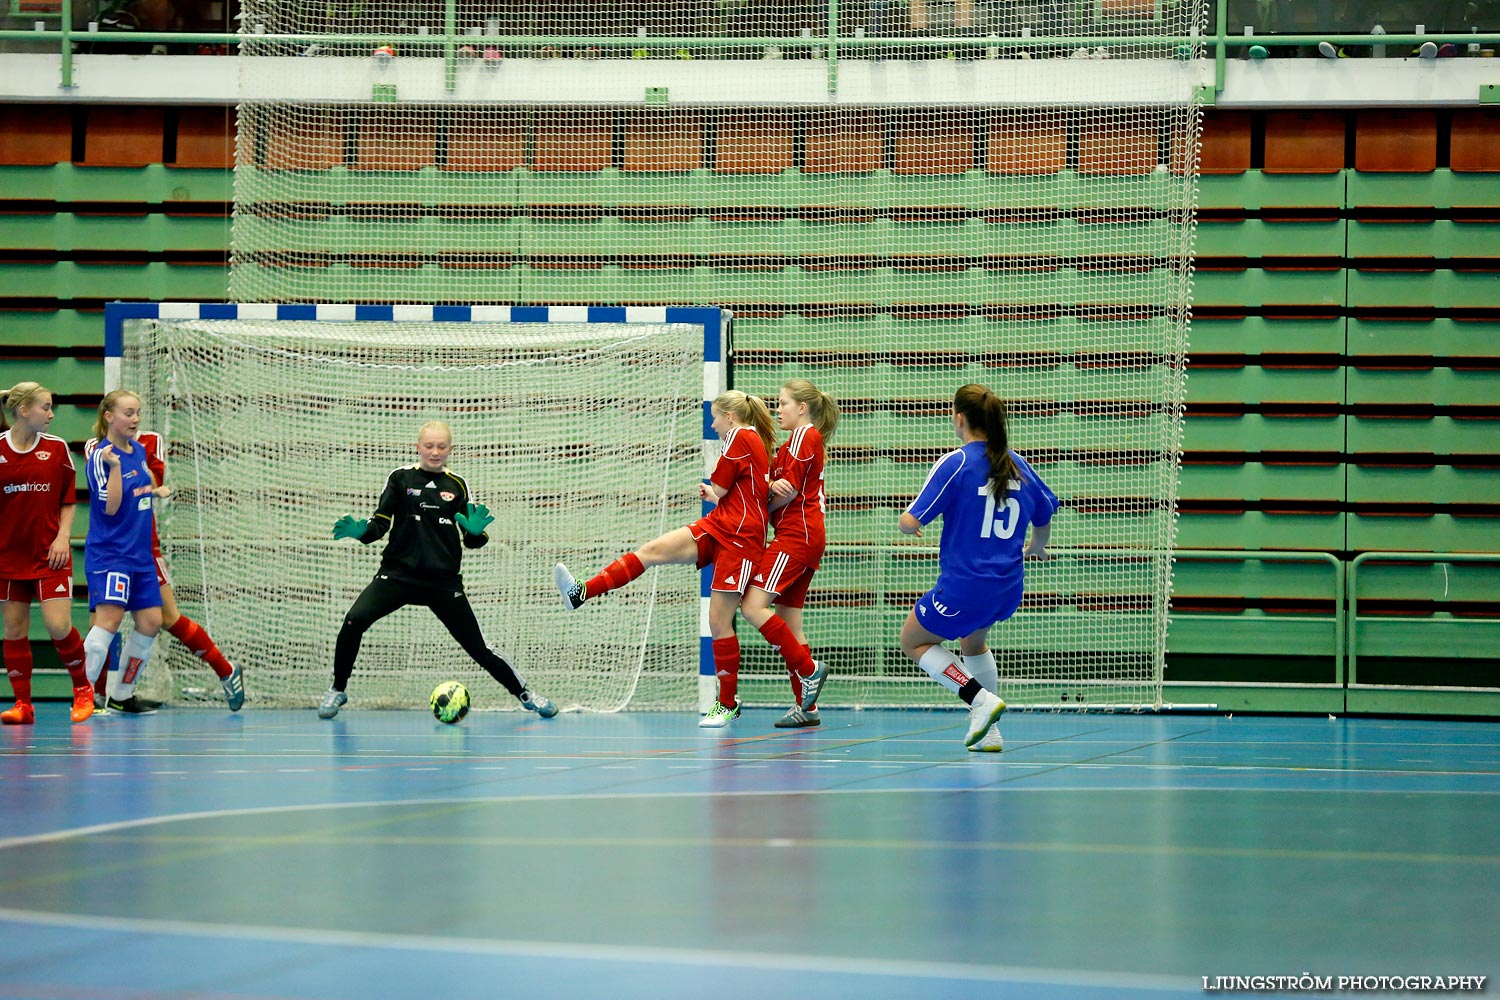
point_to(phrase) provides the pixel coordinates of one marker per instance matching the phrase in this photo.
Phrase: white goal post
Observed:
(584, 428)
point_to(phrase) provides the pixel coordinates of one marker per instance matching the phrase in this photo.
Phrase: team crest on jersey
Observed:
(42, 456)
(446, 495)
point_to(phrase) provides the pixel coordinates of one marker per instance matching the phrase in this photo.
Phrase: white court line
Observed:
(569, 951)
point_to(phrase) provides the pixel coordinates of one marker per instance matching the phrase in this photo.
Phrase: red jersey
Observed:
(155, 462)
(35, 485)
(799, 525)
(739, 518)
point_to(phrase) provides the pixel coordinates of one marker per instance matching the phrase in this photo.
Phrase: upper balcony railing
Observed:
(829, 30)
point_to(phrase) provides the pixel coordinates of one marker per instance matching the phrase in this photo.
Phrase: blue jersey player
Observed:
(117, 551)
(987, 496)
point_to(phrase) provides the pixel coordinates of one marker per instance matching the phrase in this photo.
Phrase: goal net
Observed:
(893, 198)
(583, 438)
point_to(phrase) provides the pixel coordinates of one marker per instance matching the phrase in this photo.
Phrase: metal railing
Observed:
(1409, 557)
(828, 45)
(1280, 555)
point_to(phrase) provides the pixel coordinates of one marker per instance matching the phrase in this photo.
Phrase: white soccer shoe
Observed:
(982, 715)
(990, 742)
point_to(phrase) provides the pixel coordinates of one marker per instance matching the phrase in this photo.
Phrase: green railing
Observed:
(1240, 555)
(450, 38)
(1406, 557)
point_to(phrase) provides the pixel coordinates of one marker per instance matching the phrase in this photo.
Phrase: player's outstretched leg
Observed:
(612, 577)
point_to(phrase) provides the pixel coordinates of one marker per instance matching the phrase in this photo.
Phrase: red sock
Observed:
(779, 634)
(614, 576)
(70, 651)
(18, 665)
(187, 632)
(727, 666)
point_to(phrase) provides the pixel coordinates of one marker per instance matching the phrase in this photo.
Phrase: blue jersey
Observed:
(983, 536)
(121, 541)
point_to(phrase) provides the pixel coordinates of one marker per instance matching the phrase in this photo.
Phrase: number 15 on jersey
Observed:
(1001, 524)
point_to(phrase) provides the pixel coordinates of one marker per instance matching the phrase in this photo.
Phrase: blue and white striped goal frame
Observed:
(714, 322)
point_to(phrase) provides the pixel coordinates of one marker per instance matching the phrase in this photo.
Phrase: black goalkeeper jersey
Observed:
(426, 544)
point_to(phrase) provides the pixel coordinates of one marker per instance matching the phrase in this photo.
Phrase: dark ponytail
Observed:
(985, 413)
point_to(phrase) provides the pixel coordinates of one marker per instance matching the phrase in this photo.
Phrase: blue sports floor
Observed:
(197, 854)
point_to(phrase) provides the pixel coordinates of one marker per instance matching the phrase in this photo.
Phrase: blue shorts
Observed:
(953, 614)
(135, 589)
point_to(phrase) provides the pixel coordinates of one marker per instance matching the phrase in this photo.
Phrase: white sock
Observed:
(982, 669)
(943, 667)
(96, 651)
(132, 661)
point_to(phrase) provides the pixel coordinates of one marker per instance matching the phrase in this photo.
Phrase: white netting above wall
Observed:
(966, 192)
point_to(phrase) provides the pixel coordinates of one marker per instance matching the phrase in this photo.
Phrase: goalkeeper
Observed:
(427, 510)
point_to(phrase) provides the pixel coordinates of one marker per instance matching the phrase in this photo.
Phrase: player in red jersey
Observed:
(797, 507)
(36, 554)
(731, 538)
(184, 629)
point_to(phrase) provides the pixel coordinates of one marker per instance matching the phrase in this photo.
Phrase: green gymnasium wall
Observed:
(1343, 395)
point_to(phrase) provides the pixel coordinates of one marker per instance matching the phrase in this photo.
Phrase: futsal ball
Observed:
(449, 701)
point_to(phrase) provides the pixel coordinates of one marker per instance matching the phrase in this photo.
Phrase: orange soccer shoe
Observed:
(83, 702)
(22, 714)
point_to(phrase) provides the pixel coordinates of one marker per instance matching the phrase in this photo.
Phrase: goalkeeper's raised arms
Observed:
(350, 526)
(475, 519)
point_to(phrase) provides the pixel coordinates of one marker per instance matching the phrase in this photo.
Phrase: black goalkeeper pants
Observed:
(450, 604)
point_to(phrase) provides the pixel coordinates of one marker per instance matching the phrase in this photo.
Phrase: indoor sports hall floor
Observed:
(197, 854)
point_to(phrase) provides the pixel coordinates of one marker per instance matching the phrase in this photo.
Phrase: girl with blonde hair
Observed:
(36, 553)
(797, 506)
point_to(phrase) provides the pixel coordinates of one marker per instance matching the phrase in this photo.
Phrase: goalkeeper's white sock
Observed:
(982, 668)
(132, 661)
(96, 651)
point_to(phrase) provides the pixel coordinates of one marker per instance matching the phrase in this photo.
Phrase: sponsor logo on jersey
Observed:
(3, 460)
(29, 488)
(446, 495)
(430, 486)
(444, 520)
(412, 491)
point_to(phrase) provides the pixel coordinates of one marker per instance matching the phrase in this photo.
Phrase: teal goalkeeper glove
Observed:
(476, 519)
(350, 526)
